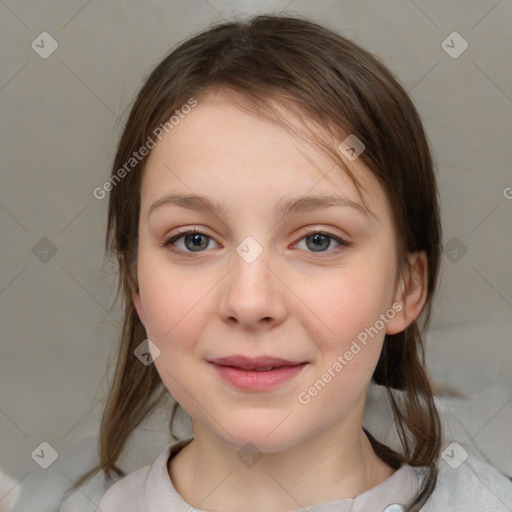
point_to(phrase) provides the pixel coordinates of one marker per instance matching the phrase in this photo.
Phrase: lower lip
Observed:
(258, 381)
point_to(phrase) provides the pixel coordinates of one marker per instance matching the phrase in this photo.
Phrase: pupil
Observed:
(196, 239)
(318, 238)
(199, 242)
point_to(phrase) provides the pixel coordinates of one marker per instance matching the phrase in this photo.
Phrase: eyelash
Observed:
(343, 243)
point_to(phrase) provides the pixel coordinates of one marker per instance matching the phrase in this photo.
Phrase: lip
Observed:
(252, 373)
(253, 363)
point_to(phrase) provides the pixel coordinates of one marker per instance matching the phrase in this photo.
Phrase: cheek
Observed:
(176, 309)
(171, 300)
(351, 334)
(347, 303)
(348, 357)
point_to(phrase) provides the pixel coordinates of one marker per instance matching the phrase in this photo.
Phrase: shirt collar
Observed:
(398, 489)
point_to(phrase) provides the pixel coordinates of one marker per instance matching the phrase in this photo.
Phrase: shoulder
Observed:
(468, 479)
(127, 494)
(146, 489)
(468, 483)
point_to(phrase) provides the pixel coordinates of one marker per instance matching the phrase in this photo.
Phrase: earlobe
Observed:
(411, 293)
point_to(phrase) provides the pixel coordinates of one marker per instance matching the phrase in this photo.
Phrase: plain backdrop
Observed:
(61, 119)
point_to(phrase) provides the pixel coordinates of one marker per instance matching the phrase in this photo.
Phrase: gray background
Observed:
(61, 119)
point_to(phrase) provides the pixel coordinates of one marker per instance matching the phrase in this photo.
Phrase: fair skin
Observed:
(296, 301)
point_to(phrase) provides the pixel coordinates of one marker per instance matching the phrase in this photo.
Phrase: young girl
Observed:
(273, 209)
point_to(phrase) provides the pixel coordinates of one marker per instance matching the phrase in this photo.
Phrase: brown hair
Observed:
(310, 70)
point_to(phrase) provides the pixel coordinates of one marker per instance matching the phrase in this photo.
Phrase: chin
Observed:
(266, 436)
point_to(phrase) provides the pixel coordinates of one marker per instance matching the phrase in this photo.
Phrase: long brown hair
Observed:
(315, 72)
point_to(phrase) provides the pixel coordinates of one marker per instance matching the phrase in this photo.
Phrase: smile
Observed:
(256, 374)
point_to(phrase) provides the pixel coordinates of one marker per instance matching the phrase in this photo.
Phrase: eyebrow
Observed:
(282, 208)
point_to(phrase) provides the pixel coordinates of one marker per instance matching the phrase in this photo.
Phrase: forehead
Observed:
(232, 153)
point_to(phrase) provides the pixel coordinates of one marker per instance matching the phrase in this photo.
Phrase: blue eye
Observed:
(319, 241)
(194, 241)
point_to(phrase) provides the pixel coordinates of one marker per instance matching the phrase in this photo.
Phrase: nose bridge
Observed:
(251, 293)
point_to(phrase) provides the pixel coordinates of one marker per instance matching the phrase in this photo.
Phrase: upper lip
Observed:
(254, 363)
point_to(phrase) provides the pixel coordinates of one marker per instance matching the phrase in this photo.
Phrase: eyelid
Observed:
(303, 234)
(343, 243)
(323, 231)
(168, 241)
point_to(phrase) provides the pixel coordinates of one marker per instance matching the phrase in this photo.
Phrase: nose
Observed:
(252, 296)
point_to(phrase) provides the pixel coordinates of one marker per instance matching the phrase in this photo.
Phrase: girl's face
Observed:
(309, 292)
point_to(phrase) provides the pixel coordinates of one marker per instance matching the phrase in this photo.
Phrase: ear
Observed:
(137, 301)
(134, 285)
(411, 293)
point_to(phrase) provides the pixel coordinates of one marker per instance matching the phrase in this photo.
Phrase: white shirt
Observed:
(150, 489)
(466, 481)
(469, 486)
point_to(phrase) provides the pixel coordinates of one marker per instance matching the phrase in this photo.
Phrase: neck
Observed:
(337, 463)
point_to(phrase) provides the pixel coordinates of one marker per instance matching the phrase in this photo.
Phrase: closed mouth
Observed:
(255, 364)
